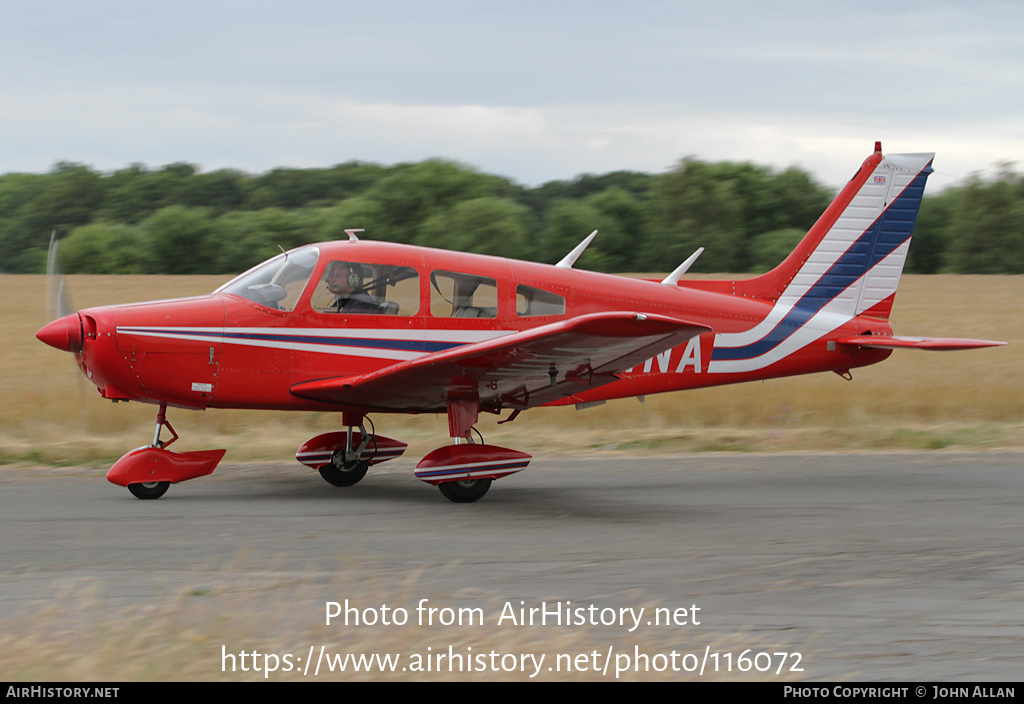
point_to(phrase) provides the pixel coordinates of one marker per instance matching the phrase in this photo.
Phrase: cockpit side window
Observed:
(455, 295)
(367, 289)
(278, 282)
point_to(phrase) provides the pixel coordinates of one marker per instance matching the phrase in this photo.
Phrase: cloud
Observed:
(536, 91)
(259, 127)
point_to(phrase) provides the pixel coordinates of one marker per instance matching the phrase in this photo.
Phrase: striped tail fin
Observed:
(851, 260)
(849, 263)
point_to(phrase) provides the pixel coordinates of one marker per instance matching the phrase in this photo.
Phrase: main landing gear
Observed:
(463, 472)
(149, 471)
(465, 491)
(347, 465)
(342, 457)
(342, 474)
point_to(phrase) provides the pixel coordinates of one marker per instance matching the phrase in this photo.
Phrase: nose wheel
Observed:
(149, 490)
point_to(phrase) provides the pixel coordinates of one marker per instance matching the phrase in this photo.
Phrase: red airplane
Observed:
(363, 327)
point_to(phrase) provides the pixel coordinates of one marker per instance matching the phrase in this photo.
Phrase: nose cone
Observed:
(64, 333)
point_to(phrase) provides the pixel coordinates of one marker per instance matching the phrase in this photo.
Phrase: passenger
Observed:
(345, 283)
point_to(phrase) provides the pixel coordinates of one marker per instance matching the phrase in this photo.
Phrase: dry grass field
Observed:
(179, 638)
(914, 400)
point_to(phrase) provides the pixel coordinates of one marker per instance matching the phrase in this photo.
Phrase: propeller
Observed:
(63, 329)
(58, 296)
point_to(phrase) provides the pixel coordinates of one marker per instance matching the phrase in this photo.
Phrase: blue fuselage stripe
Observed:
(370, 343)
(408, 345)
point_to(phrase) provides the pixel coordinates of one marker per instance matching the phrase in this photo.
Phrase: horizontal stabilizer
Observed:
(940, 344)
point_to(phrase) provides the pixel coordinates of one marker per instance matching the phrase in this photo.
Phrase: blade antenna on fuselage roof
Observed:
(673, 278)
(569, 259)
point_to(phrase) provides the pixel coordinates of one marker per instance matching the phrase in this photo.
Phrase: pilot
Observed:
(345, 283)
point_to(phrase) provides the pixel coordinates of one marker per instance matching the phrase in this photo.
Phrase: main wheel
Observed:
(344, 476)
(466, 491)
(149, 490)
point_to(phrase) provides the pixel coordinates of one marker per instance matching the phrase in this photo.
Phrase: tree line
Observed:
(178, 220)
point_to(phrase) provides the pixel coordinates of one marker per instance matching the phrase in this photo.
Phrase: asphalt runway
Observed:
(905, 566)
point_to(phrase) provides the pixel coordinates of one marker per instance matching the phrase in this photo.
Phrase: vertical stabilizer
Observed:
(852, 258)
(849, 263)
(857, 262)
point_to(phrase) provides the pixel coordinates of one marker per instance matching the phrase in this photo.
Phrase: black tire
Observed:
(466, 491)
(149, 490)
(344, 477)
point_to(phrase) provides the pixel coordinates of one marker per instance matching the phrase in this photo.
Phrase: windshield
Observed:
(278, 282)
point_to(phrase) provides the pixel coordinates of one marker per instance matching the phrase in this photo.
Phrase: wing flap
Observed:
(939, 344)
(521, 370)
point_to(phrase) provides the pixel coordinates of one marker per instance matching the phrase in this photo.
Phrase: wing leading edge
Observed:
(521, 370)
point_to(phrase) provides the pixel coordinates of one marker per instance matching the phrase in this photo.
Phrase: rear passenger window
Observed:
(455, 295)
(534, 301)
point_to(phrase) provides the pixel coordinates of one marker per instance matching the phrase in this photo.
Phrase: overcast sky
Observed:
(530, 90)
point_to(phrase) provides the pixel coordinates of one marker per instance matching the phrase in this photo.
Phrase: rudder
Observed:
(889, 236)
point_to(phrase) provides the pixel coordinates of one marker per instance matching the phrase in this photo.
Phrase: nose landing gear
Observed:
(149, 471)
(149, 490)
